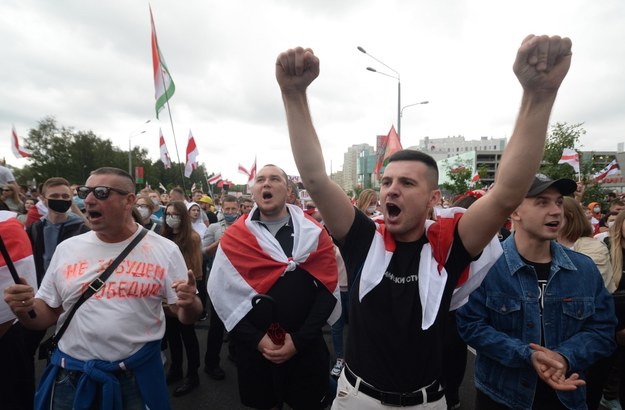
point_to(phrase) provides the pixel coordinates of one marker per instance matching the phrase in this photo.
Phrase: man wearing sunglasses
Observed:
(123, 322)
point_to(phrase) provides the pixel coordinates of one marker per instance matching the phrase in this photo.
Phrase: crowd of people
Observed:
(126, 275)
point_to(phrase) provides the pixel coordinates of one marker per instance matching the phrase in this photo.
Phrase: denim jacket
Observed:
(503, 316)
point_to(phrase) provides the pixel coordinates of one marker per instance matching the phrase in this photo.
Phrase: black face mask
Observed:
(59, 205)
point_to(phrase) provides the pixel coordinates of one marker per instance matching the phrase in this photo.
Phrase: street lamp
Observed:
(401, 113)
(133, 134)
(396, 77)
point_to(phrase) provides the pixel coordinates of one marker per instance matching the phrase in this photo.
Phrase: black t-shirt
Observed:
(386, 346)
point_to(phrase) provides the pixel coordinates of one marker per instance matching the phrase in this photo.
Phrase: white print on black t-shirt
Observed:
(401, 279)
(542, 284)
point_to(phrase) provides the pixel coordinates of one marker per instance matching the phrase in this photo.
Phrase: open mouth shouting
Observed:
(553, 225)
(93, 215)
(267, 196)
(392, 211)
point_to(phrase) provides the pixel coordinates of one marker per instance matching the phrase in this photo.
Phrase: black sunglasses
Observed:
(100, 192)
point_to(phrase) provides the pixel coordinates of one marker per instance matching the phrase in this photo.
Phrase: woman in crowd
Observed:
(11, 197)
(145, 207)
(197, 222)
(367, 202)
(577, 234)
(177, 228)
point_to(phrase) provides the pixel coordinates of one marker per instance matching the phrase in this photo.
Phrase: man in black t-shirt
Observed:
(401, 278)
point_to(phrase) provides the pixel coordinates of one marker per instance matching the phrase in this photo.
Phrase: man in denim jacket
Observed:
(542, 314)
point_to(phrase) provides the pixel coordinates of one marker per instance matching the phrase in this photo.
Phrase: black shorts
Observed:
(302, 382)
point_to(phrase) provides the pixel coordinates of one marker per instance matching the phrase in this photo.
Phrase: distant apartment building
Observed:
(351, 158)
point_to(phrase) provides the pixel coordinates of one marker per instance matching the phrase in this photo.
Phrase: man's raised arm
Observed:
(295, 70)
(541, 64)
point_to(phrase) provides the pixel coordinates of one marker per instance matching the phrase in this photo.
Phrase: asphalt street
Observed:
(223, 394)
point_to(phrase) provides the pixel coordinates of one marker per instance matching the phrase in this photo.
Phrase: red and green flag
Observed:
(390, 145)
(163, 84)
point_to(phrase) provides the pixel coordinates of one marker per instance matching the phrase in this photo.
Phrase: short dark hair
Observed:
(52, 182)
(230, 198)
(418, 156)
(116, 171)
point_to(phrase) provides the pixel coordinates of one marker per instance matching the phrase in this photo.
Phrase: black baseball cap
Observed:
(542, 182)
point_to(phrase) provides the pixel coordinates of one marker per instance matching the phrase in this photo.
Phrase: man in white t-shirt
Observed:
(116, 333)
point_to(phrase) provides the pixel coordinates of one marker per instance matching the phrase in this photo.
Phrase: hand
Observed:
(279, 354)
(579, 192)
(552, 368)
(296, 68)
(542, 63)
(185, 291)
(20, 297)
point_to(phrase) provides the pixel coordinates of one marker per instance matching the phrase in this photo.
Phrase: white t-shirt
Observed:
(127, 311)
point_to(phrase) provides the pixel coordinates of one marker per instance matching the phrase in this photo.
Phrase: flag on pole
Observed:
(164, 152)
(162, 187)
(611, 169)
(251, 174)
(390, 145)
(214, 179)
(242, 170)
(192, 153)
(15, 146)
(163, 84)
(571, 157)
(474, 179)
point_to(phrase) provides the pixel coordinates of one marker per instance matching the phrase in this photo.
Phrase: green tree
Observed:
(460, 178)
(561, 136)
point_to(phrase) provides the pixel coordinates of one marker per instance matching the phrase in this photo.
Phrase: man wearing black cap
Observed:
(542, 314)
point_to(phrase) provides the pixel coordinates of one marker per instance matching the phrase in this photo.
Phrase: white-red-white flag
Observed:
(164, 152)
(163, 84)
(192, 154)
(15, 146)
(214, 179)
(251, 174)
(571, 157)
(474, 179)
(611, 169)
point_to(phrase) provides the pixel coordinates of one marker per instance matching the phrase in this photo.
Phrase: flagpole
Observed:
(171, 121)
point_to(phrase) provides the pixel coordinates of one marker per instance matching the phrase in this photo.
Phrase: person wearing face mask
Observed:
(145, 208)
(178, 229)
(367, 202)
(58, 225)
(230, 211)
(595, 211)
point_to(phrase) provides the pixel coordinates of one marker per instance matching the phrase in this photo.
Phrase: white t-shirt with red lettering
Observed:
(127, 311)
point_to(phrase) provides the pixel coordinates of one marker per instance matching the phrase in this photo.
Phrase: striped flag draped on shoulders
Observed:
(163, 84)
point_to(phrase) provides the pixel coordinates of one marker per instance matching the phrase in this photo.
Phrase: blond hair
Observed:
(616, 248)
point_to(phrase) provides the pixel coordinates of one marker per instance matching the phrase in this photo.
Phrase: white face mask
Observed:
(144, 212)
(596, 209)
(371, 209)
(173, 221)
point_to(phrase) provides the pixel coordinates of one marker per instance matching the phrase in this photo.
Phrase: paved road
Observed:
(223, 394)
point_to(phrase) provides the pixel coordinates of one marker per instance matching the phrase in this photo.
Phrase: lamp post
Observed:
(133, 134)
(401, 113)
(396, 77)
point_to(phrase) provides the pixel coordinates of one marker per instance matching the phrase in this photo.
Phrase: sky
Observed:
(88, 64)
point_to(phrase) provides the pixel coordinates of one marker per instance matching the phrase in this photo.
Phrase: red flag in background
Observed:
(390, 145)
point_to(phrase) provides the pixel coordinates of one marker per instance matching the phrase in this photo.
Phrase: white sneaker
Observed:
(338, 366)
(610, 404)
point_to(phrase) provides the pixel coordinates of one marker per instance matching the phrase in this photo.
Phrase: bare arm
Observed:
(541, 65)
(295, 70)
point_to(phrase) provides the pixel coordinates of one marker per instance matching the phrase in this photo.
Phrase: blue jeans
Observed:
(67, 381)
